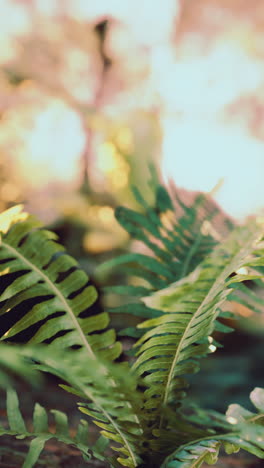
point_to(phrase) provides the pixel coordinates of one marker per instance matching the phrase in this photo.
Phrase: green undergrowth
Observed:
(192, 266)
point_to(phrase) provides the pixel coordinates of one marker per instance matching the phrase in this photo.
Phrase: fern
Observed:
(189, 275)
(34, 266)
(175, 244)
(113, 401)
(246, 431)
(41, 432)
(169, 349)
(33, 253)
(108, 396)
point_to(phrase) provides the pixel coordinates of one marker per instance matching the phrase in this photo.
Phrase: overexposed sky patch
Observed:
(198, 154)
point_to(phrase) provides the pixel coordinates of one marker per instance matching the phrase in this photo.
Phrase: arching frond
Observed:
(109, 396)
(43, 284)
(176, 238)
(171, 346)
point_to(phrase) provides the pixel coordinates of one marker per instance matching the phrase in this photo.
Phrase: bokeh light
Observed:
(88, 92)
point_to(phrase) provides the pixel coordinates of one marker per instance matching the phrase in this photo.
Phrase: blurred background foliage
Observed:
(92, 92)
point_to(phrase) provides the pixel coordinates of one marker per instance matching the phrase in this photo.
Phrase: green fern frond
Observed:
(41, 433)
(244, 431)
(249, 295)
(138, 409)
(174, 341)
(108, 392)
(33, 266)
(174, 238)
(46, 273)
(194, 455)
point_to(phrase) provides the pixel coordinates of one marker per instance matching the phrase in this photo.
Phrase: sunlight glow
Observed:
(14, 20)
(124, 140)
(199, 148)
(204, 84)
(113, 165)
(54, 142)
(187, 88)
(159, 19)
(106, 215)
(119, 181)
(48, 7)
(107, 157)
(50, 140)
(196, 154)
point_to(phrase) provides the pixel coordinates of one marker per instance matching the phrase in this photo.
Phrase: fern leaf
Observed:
(108, 394)
(172, 234)
(40, 432)
(118, 419)
(169, 349)
(175, 240)
(33, 266)
(194, 455)
(245, 431)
